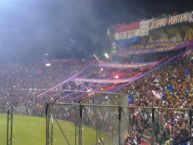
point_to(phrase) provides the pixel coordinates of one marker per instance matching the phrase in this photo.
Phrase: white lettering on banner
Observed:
(178, 19)
(158, 23)
(126, 35)
(185, 17)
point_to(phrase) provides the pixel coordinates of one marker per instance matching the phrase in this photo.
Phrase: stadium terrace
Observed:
(142, 94)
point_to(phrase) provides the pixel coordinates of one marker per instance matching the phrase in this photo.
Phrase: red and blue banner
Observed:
(126, 27)
(155, 35)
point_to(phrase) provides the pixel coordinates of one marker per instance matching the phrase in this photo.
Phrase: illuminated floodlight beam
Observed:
(48, 64)
(106, 55)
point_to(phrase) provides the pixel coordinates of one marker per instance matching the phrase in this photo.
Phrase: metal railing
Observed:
(117, 125)
(89, 124)
(10, 126)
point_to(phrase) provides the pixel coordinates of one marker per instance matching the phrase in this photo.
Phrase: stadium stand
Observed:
(155, 75)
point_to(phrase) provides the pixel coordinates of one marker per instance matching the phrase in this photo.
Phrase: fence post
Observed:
(96, 129)
(119, 117)
(49, 128)
(11, 131)
(153, 124)
(80, 124)
(76, 123)
(8, 112)
(10, 126)
(47, 124)
(52, 131)
(75, 133)
(190, 117)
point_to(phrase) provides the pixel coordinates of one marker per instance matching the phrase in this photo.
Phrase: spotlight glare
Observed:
(106, 55)
(48, 64)
(116, 77)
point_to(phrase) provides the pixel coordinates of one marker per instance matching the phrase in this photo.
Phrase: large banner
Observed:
(134, 30)
(142, 28)
(155, 35)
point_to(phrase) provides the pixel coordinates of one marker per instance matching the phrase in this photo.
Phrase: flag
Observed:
(170, 88)
(186, 72)
(130, 99)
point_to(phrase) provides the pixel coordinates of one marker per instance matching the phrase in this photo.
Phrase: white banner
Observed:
(144, 28)
(105, 81)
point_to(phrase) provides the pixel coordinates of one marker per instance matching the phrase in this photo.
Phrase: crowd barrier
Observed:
(117, 125)
(89, 124)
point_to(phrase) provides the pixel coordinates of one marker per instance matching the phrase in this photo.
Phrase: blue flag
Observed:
(170, 88)
(186, 72)
(130, 99)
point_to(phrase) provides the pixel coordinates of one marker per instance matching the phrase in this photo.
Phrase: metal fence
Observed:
(19, 127)
(6, 126)
(85, 124)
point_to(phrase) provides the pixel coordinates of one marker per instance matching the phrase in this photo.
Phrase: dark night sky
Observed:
(70, 28)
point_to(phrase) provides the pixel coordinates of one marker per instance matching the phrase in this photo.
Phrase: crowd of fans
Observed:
(173, 83)
(21, 83)
(170, 86)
